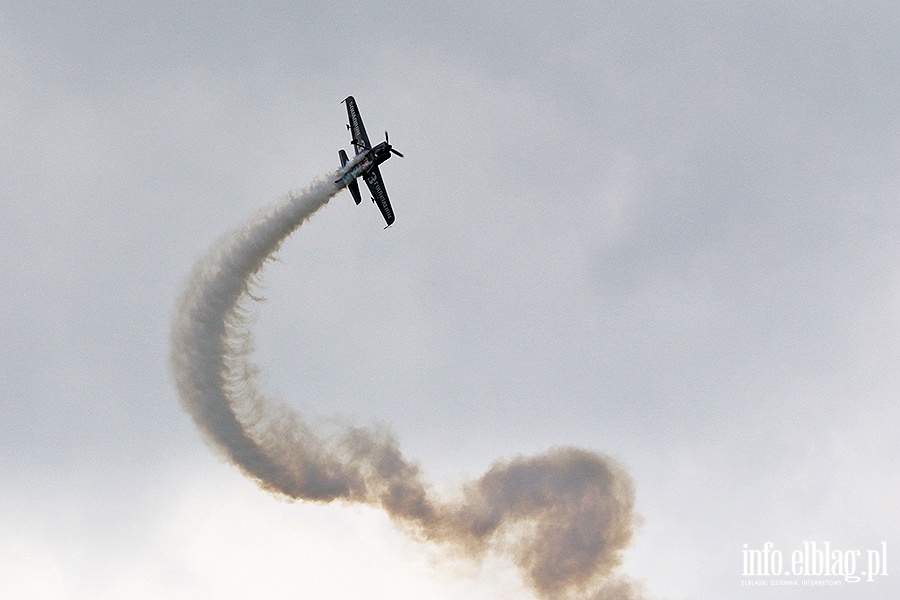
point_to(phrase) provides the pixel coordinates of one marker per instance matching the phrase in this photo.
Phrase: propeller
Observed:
(389, 145)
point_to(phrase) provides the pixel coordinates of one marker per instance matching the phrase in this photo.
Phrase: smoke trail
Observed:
(564, 517)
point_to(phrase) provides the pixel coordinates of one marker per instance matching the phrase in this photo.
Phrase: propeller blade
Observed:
(388, 142)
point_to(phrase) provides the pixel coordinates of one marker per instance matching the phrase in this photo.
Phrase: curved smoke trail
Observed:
(564, 516)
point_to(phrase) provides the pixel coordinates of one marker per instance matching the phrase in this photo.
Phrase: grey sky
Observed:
(665, 232)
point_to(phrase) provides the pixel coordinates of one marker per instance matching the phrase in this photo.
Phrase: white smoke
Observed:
(564, 516)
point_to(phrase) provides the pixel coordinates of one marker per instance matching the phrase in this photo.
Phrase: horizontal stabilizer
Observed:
(344, 159)
(353, 186)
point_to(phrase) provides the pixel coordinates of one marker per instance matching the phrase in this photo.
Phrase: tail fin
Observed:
(352, 186)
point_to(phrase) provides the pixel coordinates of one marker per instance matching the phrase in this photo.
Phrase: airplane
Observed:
(365, 163)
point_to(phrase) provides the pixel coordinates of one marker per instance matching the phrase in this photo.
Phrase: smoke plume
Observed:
(564, 517)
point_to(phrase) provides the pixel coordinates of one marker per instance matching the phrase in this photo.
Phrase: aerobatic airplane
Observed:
(365, 163)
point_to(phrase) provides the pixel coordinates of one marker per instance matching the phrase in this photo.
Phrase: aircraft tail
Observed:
(352, 186)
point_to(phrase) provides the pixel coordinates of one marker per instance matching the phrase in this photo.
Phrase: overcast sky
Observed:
(666, 232)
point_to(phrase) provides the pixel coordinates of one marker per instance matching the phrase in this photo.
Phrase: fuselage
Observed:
(363, 162)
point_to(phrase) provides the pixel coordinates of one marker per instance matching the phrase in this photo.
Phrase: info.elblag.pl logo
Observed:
(812, 563)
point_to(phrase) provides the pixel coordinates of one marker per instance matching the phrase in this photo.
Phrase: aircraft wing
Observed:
(360, 139)
(376, 186)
